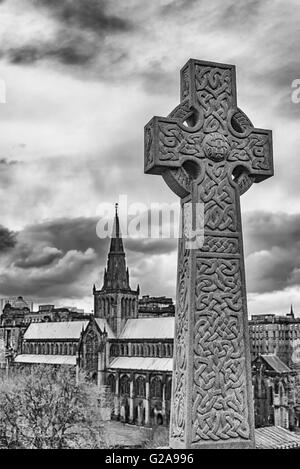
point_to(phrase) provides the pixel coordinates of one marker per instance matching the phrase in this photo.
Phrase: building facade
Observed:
(274, 393)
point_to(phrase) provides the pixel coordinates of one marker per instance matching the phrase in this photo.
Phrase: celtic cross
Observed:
(208, 152)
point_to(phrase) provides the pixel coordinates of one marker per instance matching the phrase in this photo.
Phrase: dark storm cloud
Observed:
(7, 239)
(56, 259)
(68, 51)
(86, 14)
(272, 249)
(63, 258)
(81, 28)
(40, 259)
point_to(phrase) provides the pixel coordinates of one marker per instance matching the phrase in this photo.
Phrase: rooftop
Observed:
(149, 328)
(103, 325)
(276, 438)
(275, 363)
(47, 359)
(55, 330)
(142, 363)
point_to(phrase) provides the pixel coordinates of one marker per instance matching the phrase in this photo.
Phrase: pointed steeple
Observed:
(116, 243)
(292, 312)
(116, 276)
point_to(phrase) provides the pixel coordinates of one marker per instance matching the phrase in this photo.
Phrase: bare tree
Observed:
(43, 407)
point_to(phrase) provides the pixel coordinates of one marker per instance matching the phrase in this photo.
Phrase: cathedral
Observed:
(126, 347)
(138, 369)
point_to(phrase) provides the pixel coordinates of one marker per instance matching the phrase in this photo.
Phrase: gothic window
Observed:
(91, 354)
(140, 386)
(168, 389)
(156, 388)
(65, 349)
(111, 382)
(125, 385)
(163, 350)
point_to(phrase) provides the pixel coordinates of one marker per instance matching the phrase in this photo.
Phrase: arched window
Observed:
(111, 382)
(140, 386)
(169, 389)
(125, 384)
(156, 387)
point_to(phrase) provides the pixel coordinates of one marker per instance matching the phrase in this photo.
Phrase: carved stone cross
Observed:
(208, 152)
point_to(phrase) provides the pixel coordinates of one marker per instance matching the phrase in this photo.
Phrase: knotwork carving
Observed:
(218, 195)
(220, 393)
(180, 352)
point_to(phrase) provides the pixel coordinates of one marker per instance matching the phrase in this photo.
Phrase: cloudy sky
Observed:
(82, 78)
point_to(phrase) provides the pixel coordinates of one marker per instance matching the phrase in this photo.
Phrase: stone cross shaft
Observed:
(208, 152)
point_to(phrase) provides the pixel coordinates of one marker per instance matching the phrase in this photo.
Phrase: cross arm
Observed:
(253, 151)
(168, 143)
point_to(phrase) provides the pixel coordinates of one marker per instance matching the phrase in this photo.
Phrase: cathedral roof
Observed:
(276, 438)
(276, 364)
(149, 328)
(142, 363)
(55, 330)
(103, 325)
(47, 359)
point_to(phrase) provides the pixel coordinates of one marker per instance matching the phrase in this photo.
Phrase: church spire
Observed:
(116, 275)
(116, 243)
